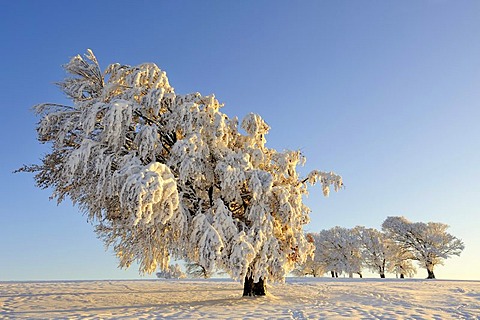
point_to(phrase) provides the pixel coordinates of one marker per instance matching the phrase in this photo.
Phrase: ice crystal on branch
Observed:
(161, 174)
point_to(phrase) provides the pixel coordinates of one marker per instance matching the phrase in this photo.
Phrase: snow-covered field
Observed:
(298, 298)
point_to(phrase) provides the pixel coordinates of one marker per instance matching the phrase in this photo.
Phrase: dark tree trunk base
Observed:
(252, 289)
(402, 276)
(431, 275)
(382, 275)
(248, 287)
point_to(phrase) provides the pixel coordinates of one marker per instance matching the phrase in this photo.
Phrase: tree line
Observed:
(393, 249)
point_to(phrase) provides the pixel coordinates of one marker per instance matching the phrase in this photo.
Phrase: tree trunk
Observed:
(251, 289)
(248, 286)
(402, 276)
(259, 288)
(431, 275)
(382, 270)
(333, 274)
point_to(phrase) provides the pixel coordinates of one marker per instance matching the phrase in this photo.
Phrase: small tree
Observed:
(311, 266)
(374, 249)
(428, 243)
(326, 253)
(338, 250)
(196, 270)
(399, 260)
(161, 174)
(174, 271)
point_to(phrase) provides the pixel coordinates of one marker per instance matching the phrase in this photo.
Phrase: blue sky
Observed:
(385, 93)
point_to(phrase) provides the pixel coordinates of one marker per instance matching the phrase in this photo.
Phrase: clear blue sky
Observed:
(385, 93)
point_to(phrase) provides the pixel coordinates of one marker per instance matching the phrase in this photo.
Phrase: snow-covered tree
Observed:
(174, 271)
(338, 250)
(161, 174)
(311, 266)
(374, 249)
(195, 270)
(428, 243)
(399, 260)
(326, 252)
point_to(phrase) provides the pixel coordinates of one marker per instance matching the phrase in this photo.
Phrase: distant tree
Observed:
(338, 250)
(311, 266)
(196, 270)
(304, 269)
(399, 260)
(374, 249)
(174, 271)
(161, 174)
(326, 253)
(428, 243)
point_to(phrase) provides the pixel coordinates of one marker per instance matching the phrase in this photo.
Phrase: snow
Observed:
(298, 298)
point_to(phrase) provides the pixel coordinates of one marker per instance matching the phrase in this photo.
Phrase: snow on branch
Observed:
(326, 179)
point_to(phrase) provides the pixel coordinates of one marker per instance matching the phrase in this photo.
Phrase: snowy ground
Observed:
(298, 298)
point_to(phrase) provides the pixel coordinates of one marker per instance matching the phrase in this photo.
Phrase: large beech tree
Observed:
(165, 175)
(428, 243)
